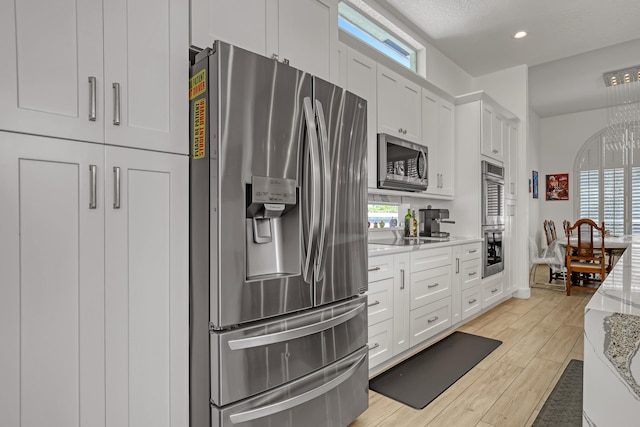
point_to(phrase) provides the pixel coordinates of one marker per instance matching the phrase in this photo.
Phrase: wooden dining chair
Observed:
(585, 261)
(546, 225)
(565, 226)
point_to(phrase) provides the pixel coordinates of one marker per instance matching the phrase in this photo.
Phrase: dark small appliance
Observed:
(429, 222)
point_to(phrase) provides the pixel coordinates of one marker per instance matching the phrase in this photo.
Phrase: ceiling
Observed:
(571, 43)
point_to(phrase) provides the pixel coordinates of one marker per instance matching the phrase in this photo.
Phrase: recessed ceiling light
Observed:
(520, 34)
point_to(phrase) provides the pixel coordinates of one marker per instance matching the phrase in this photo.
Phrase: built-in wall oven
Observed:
(492, 218)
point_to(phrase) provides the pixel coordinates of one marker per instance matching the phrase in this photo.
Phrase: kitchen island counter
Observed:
(612, 343)
(376, 248)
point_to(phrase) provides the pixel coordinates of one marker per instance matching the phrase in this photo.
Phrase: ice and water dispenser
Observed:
(272, 228)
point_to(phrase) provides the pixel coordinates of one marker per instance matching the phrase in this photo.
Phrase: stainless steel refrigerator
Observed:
(278, 245)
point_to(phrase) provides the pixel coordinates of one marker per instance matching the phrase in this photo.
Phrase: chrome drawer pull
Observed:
(401, 278)
(472, 301)
(376, 345)
(376, 302)
(433, 286)
(433, 319)
(473, 251)
(374, 269)
(472, 273)
(494, 290)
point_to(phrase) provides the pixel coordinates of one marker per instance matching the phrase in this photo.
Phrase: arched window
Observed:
(607, 176)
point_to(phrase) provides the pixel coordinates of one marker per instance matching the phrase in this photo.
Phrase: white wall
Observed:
(533, 164)
(561, 137)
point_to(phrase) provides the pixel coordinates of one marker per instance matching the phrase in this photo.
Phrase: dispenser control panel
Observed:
(273, 190)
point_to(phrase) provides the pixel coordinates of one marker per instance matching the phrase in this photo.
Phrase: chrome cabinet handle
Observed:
(376, 345)
(400, 130)
(494, 290)
(472, 301)
(473, 273)
(274, 408)
(494, 150)
(457, 265)
(376, 302)
(434, 285)
(433, 319)
(374, 269)
(402, 278)
(92, 99)
(93, 186)
(473, 251)
(404, 131)
(116, 104)
(116, 187)
(303, 331)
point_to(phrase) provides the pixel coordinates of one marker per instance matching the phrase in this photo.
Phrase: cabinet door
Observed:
(52, 285)
(308, 36)
(486, 128)
(399, 106)
(401, 303)
(146, 295)
(146, 74)
(446, 141)
(512, 167)
(430, 125)
(242, 23)
(50, 51)
(361, 80)
(497, 134)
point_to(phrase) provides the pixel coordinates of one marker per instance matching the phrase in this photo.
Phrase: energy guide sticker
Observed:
(197, 84)
(199, 120)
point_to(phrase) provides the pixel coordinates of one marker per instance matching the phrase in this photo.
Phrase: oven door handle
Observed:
(422, 174)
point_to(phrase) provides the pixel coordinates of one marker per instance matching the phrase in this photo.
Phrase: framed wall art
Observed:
(557, 186)
(534, 183)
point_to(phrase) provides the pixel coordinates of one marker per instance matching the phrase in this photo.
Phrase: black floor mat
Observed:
(421, 378)
(563, 407)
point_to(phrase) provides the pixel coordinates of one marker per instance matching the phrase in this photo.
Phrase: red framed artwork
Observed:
(557, 186)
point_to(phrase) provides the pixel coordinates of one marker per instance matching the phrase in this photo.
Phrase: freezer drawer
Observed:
(262, 356)
(333, 396)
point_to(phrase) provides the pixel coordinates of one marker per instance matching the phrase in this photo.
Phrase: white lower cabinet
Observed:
(94, 309)
(380, 342)
(471, 301)
(380, 300)
(401, 303)
(430, 285)
(492, 290)
(430, 319)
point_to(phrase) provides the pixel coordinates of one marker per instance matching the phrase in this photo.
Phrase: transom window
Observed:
(375, 35)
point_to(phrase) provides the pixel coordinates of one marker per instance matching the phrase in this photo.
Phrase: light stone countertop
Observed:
(612, 343)
(376, 249)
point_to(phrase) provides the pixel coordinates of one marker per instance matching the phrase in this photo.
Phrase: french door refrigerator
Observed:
(278, 245)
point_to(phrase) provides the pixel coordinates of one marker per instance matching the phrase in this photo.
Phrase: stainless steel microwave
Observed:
(402, 165)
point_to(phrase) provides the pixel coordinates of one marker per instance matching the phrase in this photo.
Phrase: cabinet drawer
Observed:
(471, 301)
(430, 258)
(430, 285)
(491, 292)
(380, 339)
(470, 273)
(471, 251)
(380, 267)
(427, 321)
(380, 301)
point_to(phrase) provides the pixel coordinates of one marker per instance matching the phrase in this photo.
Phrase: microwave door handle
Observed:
(425, 170)
(274, 408)
(313, 175)
(326, 184)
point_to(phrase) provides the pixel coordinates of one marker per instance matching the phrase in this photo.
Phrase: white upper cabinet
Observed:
(492, 133)
(51, 68)
(304, 32)
(438, 135)
(55, 83)
(361, 80)
(146, 74)
(399, 106)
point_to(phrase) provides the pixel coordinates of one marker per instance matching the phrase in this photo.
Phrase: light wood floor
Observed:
(508, 388)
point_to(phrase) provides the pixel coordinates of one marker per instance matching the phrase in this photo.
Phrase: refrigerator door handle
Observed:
(284, 405)
(315, 183)
(326, 186)
(262, 340)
